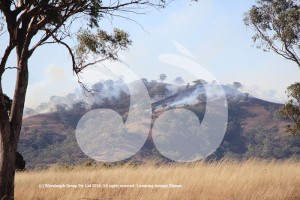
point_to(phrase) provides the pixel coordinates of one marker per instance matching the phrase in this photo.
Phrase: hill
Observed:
(254, 129)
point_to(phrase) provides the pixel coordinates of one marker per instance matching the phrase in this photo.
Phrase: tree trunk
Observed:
(7, 167)
(10, 128)
(7, 154)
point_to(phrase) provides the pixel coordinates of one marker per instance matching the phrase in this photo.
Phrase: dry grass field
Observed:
(220, 180)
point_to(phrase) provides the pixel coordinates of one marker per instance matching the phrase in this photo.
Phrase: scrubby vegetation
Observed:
(51, 139)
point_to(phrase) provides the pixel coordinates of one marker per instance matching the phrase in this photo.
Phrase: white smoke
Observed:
(111, 89)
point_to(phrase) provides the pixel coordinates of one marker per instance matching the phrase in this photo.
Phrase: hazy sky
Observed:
(213, 31)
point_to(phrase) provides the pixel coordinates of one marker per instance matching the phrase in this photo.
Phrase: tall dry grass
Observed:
(220, 180)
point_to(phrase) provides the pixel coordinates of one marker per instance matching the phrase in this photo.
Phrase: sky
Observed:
(210, 32)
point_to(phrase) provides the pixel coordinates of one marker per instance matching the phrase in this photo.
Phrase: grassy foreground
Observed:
(221, 180)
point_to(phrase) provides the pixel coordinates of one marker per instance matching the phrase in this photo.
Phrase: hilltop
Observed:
(254, 129)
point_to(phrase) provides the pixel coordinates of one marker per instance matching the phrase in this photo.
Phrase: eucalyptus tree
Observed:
(237, 85)
(29, 24)
(277, 28)
(291, 109)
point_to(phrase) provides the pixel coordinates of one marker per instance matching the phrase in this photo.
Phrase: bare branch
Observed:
(5, 57)
(69, 50)
(49, 33)
(12, 68)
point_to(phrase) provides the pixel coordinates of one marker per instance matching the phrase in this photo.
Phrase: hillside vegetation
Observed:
(248, 180)
(254, 128)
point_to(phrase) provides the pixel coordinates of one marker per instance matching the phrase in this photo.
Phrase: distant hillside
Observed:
(254, 129)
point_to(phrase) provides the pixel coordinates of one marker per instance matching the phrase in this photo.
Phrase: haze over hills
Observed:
(110, 90)
(254, 127)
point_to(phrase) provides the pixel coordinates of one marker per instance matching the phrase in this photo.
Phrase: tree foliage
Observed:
(179, 80)
(200, 82)
(19, 163)
(30, 24)
(291, 109)
(51, 21)
(237, 85)
(101, 46)
(277, 27)
(8, 103)
(162, 77)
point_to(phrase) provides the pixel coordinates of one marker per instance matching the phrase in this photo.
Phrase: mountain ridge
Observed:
(254, 125)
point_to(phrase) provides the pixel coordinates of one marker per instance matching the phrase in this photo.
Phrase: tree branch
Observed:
(5, 57)
(293, 56)
(69, 50)
(269, 42)
(12, 68)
